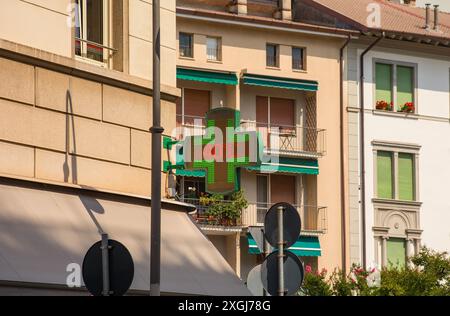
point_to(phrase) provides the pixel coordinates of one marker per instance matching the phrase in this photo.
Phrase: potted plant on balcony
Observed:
(384, 106)
(408, 107)
(221, 212)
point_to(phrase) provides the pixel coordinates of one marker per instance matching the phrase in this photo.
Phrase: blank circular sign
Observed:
(291, 227)
(293, 273)
(121, 269)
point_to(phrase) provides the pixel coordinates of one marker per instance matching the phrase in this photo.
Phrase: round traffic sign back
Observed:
(121, 269)
(293, 273)
(291, 227)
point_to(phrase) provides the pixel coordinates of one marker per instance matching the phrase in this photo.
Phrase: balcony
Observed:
(290, 140)
(190, 125)
(314, 218)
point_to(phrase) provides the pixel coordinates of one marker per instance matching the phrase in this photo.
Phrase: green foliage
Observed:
(427, 274)
(315, 284)
(222, 211)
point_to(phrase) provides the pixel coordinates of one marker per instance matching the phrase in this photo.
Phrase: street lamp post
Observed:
(156, 130)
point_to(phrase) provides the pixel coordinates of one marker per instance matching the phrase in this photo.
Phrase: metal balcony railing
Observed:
(190, 125)
(214, 54)
(314, 218)
(289, 140)
(203, 218)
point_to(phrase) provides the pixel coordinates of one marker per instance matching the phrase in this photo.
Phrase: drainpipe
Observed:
(343, 215)
(362, 150)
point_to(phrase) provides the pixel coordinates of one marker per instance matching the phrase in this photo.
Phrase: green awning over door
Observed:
(304, 247)
(289, 165)
(278, 82)
(207, 76)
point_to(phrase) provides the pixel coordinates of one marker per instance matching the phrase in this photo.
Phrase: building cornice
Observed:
(70, 66)
(264, 23)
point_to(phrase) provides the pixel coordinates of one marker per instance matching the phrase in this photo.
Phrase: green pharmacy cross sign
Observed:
(221, 151)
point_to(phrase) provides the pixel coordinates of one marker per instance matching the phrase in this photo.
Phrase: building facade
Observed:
(254, 57)
(75, 148)
(397, 82)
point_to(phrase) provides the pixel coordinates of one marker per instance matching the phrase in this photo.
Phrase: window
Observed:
(395, 87)
(213, 48)
(272, 55)
(384, 175)
(396, 252)
(298, 58)
(406, 176)
(186, 45)
(396, 175)
(91, 30)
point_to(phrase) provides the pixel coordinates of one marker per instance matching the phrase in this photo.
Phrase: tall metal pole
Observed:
(280, 252)
(156, 130)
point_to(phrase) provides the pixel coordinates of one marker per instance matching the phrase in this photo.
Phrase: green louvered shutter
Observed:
(396, 252)
(405, 85)
(406, 176)
(383, 74)
(384, 175)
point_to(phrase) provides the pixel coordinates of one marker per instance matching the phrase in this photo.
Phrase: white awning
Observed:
(43, 229)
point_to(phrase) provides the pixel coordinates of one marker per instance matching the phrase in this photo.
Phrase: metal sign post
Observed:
(105, 264)
(280, 251)
(156, 130)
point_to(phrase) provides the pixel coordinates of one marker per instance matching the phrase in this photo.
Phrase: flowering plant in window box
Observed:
(384, 106)
(408, 107)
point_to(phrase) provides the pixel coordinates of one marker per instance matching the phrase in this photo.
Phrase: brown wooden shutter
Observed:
(282, 189)
(282, 113)
(196, 104)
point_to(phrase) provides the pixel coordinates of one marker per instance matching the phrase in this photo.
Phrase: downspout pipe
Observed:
(342, 154)
(362, 151)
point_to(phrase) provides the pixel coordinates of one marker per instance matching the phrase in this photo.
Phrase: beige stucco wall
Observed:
(47, 25)
(41, 24)
(100, 139)
(243, 49)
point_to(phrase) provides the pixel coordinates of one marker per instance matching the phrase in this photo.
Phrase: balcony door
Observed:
(282, 189)
(275, 113)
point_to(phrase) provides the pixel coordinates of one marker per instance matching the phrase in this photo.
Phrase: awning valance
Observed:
(304, 246)
(207, 76)
(278, 82)
(288, 165)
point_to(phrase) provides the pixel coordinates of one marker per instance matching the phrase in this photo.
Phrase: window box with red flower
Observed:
(384, 106)
(408, 107)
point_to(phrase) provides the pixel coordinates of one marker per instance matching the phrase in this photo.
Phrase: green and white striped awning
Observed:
(289, 165)
(207, 76)
(304, 247)
(278, 82)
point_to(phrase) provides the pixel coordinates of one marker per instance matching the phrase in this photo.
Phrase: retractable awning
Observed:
(207, 76)
(304, 247)
(45, 228)
(288, 165)
(279, 82)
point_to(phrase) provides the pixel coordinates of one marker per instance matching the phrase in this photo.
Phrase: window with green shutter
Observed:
(405, 85)
(406, 176)
(383, 78)
(384, 175)
(396, 252)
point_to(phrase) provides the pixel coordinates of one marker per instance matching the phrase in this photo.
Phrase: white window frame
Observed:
(218, 57)
(394, 65)
(395, 149)
(82, 22)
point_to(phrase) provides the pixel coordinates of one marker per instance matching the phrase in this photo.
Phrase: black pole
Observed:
(156, 130)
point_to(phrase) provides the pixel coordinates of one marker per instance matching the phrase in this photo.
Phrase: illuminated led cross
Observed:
(221, 150)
